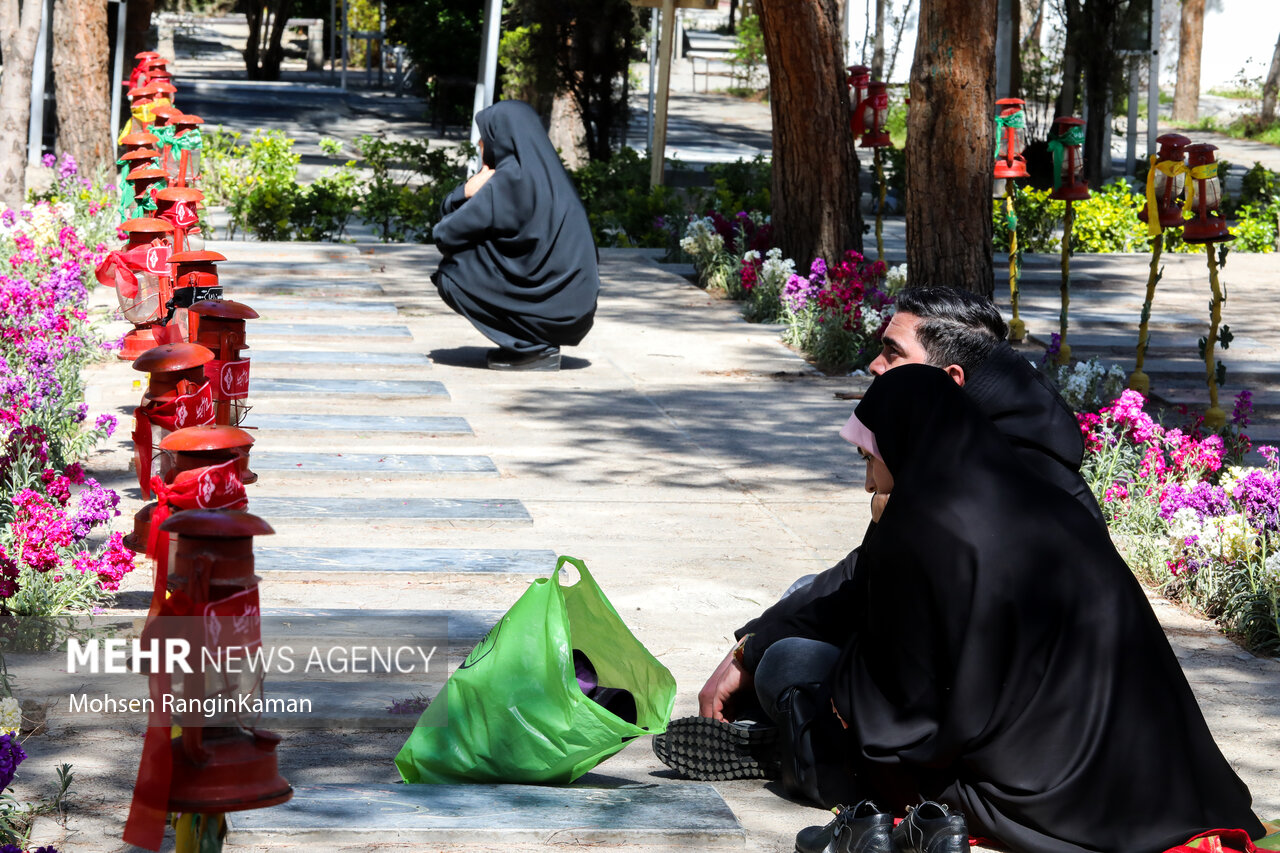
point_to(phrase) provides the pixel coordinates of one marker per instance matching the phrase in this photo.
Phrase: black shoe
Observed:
(931, 828)
(861, 829)
(715, 751)
(504, 359)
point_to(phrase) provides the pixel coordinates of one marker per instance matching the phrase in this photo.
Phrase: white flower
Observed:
(1271, 569)
(10, 715)
(896, 278)
(1184, 524)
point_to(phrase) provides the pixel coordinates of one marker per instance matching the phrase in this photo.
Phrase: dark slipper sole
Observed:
(713, 751)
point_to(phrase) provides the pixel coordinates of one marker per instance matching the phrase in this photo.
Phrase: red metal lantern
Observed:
(220, 326)
(201, 467)
(143, 100)
(221, 762)
(1066, 138)
(139, 70)
(140, 274)
(145, 181)
(871, 115)
(858, 78)
(1010, 139)
(138, 140)
(184, 149)
(177, 396)
(1166, 181)
(195, 279)
(178, 206)
(1204, 196)
(138, 158)
(165, 91)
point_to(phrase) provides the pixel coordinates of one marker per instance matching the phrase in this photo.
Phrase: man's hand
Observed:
(476, 181)
(715, 700)
(878, 502)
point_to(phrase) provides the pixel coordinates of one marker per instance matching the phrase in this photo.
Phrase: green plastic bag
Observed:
(513, 711)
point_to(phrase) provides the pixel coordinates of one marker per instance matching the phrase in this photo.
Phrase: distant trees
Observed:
(19, 27)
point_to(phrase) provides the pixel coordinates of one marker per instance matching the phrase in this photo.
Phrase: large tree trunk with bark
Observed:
(815, 169)
(19, 29)
(950, 140)
(1271, 87)
(1186, 92)
(877, 50)
(80, 77)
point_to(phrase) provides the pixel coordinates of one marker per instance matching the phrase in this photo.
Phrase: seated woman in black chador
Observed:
(993, 651)
(519, 260)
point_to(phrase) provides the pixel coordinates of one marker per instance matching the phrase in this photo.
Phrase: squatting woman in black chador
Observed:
(519, 259)
(997, 654)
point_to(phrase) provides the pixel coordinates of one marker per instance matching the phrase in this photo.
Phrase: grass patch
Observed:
(1245, 127)
(1237, 92)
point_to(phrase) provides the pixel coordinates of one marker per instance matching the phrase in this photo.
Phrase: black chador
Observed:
(519, 260)
(999, 656)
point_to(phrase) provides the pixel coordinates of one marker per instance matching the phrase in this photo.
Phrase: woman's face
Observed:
(879, 480)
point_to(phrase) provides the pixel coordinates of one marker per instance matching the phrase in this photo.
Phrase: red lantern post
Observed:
(178, 395)
(869, 119)
(858, 79)
(1009, 166)
(221, 762)
(185, 146)
(1165, 180)
(140, 274)
(141, 201)
(1207, 226)
(220, 325)
(178, 206)
(1066, 139)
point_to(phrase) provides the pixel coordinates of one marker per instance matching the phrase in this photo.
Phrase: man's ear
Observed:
(956, 372)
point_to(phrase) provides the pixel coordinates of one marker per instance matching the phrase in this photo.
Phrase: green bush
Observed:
(410, 180)
(262, 198)
(740, 185)
(622, 209)
(1108, 221)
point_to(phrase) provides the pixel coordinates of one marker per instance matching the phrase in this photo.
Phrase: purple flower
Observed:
(105, 422)
(67, 167)
(1259, 495)
(1205, 498)
(94, 506)
(48, 160)
(11, 755)
(1243, 409)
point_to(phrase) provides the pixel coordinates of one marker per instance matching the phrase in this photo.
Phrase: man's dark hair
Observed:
(956, 326)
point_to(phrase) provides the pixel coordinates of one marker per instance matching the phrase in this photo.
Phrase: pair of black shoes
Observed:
(505, 359)
(928, 828)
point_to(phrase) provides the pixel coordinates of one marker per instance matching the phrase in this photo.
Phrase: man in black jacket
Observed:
(963, 334)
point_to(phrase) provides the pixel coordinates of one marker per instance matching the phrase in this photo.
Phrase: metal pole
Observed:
(653, 65)
(1131, 133)
(39, 69)
(658, 153)
(1153, 84)
(487, 76)
(333, 39)
(117, 67)
(346, 36)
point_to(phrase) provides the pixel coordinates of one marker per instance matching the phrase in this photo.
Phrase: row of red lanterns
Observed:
(1177, 160)
(192, 456)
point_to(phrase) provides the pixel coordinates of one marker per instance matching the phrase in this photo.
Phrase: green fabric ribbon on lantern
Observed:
(1016, 121)
(146, 205)
(1058, 144)
(192, 140)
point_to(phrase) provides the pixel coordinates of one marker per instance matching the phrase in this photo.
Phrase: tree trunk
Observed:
(1015, 51)
(1271, 87)
(266, 20)
(1186, 93)
(1066, 102)
(82, 85)
(1100, 59)
(950, 140)
(877, 51)
(18, 33)
(815, 170)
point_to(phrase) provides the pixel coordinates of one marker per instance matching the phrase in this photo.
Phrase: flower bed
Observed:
(55, 563)
(1194, 523)
(834, 314)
